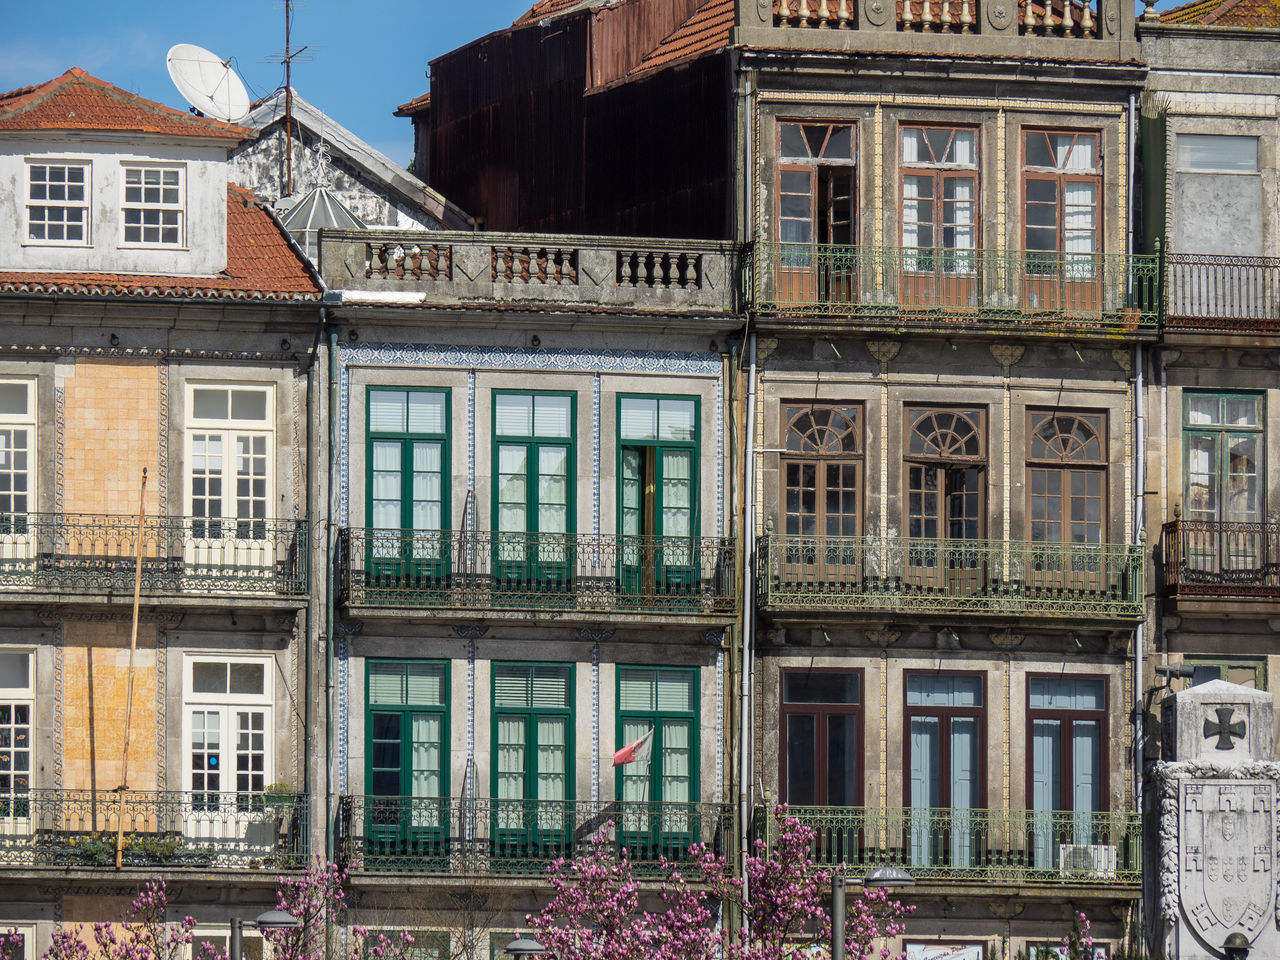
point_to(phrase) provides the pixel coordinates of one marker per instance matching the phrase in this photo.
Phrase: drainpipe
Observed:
(1140, 483)
(330, 541)
(748, 639)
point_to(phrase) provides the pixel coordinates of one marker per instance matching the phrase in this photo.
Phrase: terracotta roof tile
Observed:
(416, 105)
(79, 101)
(261, 265)
(546, 8)
(707, 30)
(1226, 13)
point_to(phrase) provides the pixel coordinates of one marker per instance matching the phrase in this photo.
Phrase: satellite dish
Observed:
(207, 82)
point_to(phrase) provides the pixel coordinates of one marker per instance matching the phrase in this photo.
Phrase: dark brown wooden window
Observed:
(946, 473)
(1067, 477)
(939, 195)
(821, 715)
(1062, 187)
(822, 470)
(817, 189)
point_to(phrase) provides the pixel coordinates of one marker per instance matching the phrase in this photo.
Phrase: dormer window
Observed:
(58, 203)
(153, 206)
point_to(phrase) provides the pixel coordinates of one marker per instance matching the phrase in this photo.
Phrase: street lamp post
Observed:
(522, 947)
(837, 917)
(271, 920)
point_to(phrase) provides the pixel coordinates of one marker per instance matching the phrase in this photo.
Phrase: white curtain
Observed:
(425, 778)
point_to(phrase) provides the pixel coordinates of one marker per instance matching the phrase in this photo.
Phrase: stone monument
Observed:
(1212, 804)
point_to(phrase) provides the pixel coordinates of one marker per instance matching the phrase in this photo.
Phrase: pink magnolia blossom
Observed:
(594, 911)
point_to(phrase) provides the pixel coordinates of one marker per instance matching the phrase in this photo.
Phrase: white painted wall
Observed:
(204, 248)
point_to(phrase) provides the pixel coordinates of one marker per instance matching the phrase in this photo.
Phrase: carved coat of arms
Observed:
(1226, 856)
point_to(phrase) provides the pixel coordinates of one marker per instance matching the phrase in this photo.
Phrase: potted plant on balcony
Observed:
(279, 795)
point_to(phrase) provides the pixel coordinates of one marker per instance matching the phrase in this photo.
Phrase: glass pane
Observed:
(13, 399)
(820, 688)
(426, 412)
(944, 690)
(386, 683)
(513, 414)
(675, 420)
(208, 677)
(249, 405)
(675, 690)
(15, 670)
(210, 404)
(801, 760)
(248, 678)
(638, 418)
(551, 416)
(842, 760)
(637, 690)
(424, 684)
(1198, 151)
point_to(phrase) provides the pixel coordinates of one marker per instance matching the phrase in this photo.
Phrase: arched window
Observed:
(1067, 477)
(946, 465)
(822, 470)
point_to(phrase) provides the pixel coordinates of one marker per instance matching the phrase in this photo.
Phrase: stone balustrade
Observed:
(443, 269)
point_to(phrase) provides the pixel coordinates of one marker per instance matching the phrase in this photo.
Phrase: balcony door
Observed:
(407, 779)
(939, 217)
(533, 748)
(1222, 504)
(946, 744)
(1062, 184)
(817, 206)
(946, 498)
(230, 474)
(1067, 777)
(408, 509)
(822, 507)
(658, 442)
(533, 492)
(1067, 489)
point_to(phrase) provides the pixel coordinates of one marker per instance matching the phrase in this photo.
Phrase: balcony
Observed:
(77, 829)
(991, 577)
(610, 274)
(450, 836)
(547, 573)
(1049, 847)
(1222, 293)
(181, 556)
(1213, 559)
(1085, 294)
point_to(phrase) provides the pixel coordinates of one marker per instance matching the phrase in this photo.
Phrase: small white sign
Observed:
(944, 951)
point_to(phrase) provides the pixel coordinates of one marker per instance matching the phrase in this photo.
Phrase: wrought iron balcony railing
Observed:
(1001, 846)
(1231, 293)
(956, 576)
(87, 553)
(1221, 559)
(167, 830)
(1082, 292)
(542, 572)
(451, 836)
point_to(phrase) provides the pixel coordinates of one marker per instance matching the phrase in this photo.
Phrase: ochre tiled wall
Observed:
(96, 689)
(112, 432)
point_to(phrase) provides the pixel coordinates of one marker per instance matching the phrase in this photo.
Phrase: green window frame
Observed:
(407, 479)
(1223, 483)
(534, 486)
(533, 757)
(1246, 671)
(658, 507)
(658, 797)
(406, 723)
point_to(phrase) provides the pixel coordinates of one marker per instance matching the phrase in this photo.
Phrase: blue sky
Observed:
(366, 59)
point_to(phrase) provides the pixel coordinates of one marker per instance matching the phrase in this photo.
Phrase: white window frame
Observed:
(85, 205)
(28, 933)
(160, 206)
(11, 823)
(16, 536)
(227, 704)
(222, 931)
(251, 546)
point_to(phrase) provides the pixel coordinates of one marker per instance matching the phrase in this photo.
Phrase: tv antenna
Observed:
(207, 82)
(287, 59)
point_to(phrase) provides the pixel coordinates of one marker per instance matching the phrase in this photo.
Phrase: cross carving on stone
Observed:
(1224, 729)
